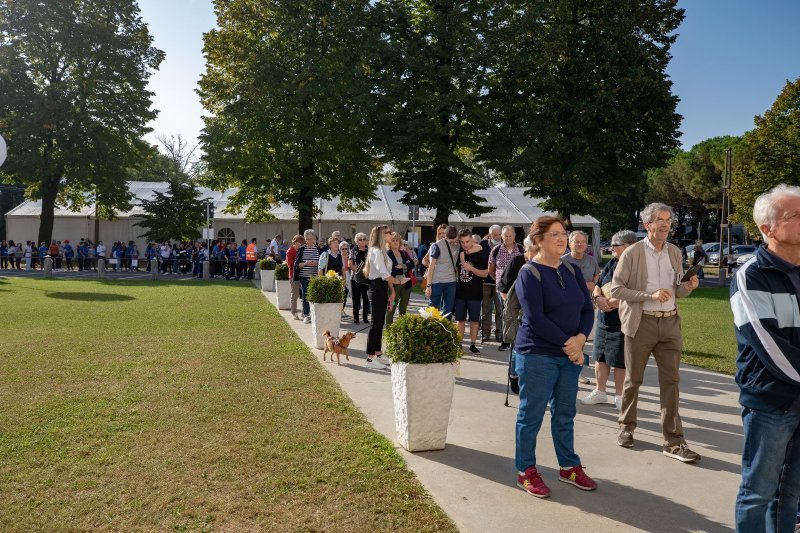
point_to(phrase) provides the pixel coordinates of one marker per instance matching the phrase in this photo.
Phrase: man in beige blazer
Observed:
(646, 281)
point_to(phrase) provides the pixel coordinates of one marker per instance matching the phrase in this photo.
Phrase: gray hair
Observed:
(494, 227)
(625, 236)
(650, 210)
(360, 235)
(510, 228)
(529, 244)
(577, 233)
(765, 208)
(309, 233)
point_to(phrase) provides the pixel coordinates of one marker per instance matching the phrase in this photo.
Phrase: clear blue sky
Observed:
(730, 61)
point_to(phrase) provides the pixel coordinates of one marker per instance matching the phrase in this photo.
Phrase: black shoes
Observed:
(504, 346)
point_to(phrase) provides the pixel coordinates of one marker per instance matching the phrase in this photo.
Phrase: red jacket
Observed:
(291, 254)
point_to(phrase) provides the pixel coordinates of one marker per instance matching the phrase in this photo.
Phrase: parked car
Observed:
(605, 247)
(737, 251)
(690, 249)
(744, 258)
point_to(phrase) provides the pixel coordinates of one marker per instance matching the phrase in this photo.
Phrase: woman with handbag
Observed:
(357, 259)
(381, 292)
(402, 270)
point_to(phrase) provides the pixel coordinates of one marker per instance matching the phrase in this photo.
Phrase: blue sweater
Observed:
(766, 318)
(550, 314)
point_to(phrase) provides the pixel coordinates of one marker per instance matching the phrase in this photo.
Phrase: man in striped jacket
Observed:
(764, 299)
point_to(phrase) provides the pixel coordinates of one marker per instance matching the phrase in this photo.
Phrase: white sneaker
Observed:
(383, 359)
(618, 402)
(376, 365)
(594, 398)
(307, 320)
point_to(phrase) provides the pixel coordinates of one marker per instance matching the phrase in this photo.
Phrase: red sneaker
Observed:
(576, 476)
(531, 482)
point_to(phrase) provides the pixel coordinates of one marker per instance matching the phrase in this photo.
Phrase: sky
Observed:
(730, 61)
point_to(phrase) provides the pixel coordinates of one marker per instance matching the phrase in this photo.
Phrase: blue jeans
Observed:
(443, 296)
(546, 379)
(303, 291)
(770, 489)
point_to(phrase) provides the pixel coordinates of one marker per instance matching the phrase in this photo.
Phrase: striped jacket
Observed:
(766, 318)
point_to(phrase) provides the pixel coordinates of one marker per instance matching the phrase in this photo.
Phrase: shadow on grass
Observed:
(90, 296)
(704, 355)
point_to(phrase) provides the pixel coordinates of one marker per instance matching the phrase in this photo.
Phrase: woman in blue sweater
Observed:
(557, 316)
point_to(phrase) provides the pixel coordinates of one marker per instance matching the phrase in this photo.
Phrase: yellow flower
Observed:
(331, 274)
(430, 312)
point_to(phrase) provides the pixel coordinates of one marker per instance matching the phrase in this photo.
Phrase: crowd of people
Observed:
(564, 295)
(227, 259)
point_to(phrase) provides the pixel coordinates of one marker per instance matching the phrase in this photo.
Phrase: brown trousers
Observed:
(661, 337)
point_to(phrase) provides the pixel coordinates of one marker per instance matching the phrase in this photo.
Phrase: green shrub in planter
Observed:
(417, 340)
(282, 272)
(325, 290)
(267, 263)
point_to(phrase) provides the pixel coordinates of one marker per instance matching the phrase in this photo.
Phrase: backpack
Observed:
(512, 312)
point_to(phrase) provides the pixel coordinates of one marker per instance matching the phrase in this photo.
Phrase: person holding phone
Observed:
(305, 268)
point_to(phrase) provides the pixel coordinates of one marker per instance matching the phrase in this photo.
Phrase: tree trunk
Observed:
(441, 217)
(305, 212)
(49, 195)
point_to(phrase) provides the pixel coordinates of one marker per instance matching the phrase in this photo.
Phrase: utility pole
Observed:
(724, 227)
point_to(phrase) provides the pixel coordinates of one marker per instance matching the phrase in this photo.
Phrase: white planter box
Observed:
(325, 316)
(422, 396)
(283, 293)
(268, 280)
(257, 273)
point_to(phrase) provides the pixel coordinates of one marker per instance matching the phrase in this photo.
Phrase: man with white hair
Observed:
(490, 296)
(766, 315)
(647, 281)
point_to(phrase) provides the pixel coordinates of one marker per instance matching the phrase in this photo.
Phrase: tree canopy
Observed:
(579, 101)
(73, 100)
(290, 96)
(430, 76)
(771, 155)
(178, 214)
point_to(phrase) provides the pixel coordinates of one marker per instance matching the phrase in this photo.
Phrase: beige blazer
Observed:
(630, 282)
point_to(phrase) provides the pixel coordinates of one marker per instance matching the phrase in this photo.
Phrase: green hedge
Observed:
(325, 290)
(267, 263)
(282, 272)
(414, 339)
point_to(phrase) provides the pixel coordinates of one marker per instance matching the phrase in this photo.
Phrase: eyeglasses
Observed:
(556, 234)
(560, 280)
(615, 245)
(361, 239)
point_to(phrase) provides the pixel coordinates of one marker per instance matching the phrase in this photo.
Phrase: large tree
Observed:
(771, 155)
(288, 88)
(73, 99)
(430, 76)
(579, 101)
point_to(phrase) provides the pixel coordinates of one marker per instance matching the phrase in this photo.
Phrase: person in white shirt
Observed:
(381, 292)
(166, 252)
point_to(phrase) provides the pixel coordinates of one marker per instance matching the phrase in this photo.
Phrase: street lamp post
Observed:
(724, 227)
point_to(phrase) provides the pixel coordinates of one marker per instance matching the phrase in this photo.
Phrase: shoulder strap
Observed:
(496, 251)
(569, 266)
(452, 261)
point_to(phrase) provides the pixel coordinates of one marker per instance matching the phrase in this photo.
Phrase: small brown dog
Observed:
(337, 345)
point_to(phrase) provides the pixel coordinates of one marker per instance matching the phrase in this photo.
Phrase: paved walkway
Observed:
(474, 479)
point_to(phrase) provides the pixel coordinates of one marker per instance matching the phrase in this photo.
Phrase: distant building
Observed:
(510, 206)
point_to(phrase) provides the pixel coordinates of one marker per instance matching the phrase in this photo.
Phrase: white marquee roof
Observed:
(510, 206)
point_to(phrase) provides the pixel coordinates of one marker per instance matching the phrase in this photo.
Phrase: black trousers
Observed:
(379, 299)
(360, 297)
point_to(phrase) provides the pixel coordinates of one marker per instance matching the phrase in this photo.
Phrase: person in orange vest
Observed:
(251, 255)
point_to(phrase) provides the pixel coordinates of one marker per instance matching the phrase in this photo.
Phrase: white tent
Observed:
(509, 206)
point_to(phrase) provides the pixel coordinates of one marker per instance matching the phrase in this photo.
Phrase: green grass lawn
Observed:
(183, 406)
(707, 323)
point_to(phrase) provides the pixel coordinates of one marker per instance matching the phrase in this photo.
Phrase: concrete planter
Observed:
(283, 293)
(422, 396)
(268, 280)
(325, 316)
(257, 273)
